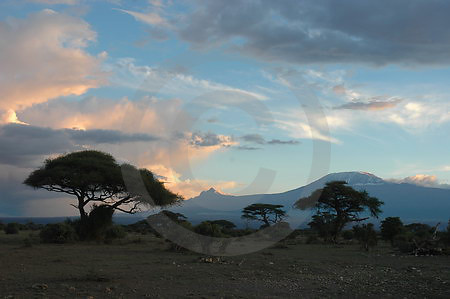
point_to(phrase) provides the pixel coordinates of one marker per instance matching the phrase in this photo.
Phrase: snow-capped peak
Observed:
(210, 191)
(354, 178)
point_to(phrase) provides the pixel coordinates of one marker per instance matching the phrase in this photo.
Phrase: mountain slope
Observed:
(410, 202)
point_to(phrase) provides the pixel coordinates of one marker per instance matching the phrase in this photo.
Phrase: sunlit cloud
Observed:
(44, 56)
(422, 180)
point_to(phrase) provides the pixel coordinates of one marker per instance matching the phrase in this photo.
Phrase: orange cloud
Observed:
(188, 188)
(43, 58)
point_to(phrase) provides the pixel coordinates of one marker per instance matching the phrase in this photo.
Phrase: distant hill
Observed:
(410, 202)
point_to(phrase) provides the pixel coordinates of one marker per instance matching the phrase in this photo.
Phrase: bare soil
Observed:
(141, 266)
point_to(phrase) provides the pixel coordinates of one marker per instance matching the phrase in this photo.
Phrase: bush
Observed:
(115, 232)
(447, 234)
(312, 239)
(59, 233)
(207, 228)
(11, 228)
(348, 235)
(2, 226)
(366, 235)
(32, 226)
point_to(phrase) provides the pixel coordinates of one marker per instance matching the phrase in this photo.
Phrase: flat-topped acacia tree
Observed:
(266, 213)
(337, 205)
(95, 177)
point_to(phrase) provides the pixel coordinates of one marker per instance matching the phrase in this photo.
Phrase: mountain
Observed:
(410, 202)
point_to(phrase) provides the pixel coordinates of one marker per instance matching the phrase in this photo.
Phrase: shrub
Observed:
(447, 234)
(391, 227)
(2, 226)
(312, 239)
(348, 235)
(115, 232)
(11, 228)
(32, 226)
(366, 235)
(27, 242)
(207, 228)
(59, 233)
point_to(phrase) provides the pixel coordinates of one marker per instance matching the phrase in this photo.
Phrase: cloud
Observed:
(165, 143)
(44, 58)
(259, 139)
(422, 180)
(173, 82)
(327, 31)
(374, 105)
(151, 18)
(25, 145)
(254, 138)
(53, 2)
(283, 142)
(210, 139)
(188, 187)
(106, 136)
(339, 89)
(247, 148)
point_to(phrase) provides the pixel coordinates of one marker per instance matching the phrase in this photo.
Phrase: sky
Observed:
(244, 96)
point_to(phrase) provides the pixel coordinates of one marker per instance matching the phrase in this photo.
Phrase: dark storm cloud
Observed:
(23, 145)
(106, 136)
(406, 32)
(371, 105)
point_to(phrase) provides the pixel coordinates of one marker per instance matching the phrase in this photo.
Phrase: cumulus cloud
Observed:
(189, 187)
(422, 180)
(349, 31)
(43, 57)
(373, 105)
(166, 147)
(211, 139)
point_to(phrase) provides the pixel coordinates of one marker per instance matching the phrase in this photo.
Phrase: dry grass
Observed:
(140, 266)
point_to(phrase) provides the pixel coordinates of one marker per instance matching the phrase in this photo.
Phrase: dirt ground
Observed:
(140, 266)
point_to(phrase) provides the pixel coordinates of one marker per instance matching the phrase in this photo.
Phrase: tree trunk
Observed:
(83, 214)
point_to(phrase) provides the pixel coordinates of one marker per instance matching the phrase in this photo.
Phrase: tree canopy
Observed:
(266, 213)
(337, 205)
(95, 177)
(391, 227)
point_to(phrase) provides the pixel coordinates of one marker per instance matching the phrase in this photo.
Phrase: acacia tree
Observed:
(337, 205)
(391, 227)
(266, 213)
(95, 177)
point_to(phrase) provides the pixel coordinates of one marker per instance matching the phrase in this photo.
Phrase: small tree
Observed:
(366, 235)
(11, 228)
(447, 237)
(95, 177)
(226, 226)
(323, 225)
(390, 228)
(338, 205)
(266, 213)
